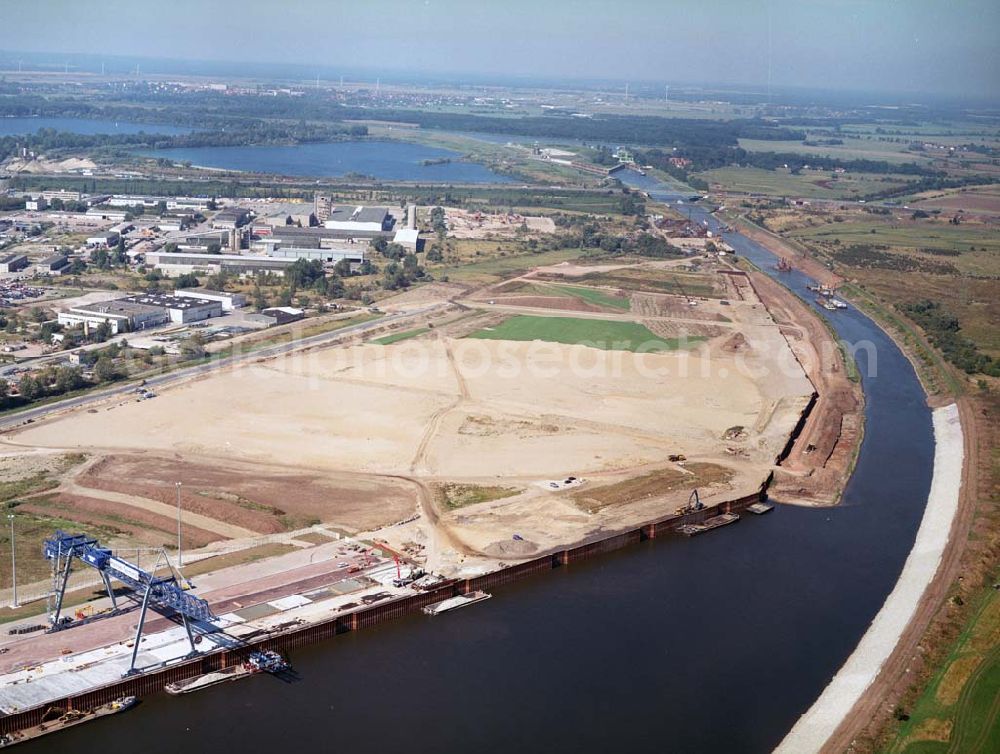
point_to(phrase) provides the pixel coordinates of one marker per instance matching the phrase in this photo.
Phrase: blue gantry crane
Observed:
(163, 593)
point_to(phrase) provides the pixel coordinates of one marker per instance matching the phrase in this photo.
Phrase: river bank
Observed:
(814, 729)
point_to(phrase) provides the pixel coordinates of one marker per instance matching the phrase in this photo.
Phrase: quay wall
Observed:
(301, 634)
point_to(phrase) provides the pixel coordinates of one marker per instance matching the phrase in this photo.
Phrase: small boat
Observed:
(68, 719)
(262, 661)
(454, 603)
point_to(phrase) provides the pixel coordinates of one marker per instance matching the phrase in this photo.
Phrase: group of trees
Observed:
(105, 259)
(398, 275)
(438, 222)
(54, 381)
(944, 330)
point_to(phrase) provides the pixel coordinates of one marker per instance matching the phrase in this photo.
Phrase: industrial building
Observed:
(121, 316)
(204, 239)
(366, 219)
(408, 238)
(129, 200)
(191, 203)
(179, 309)
(63, 195)
(323, 203)
(185, 203)
(228, 299)
(280, 315)
(103, 240)
(107, 213)
(173, 264)
(304, 238)
(140, 312)
(231, 218)
(13, 263)
(353, 254)
(51, 264)
(36, 204)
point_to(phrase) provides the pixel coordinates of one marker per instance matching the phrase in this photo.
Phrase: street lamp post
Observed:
(13, 559)
(180, 557)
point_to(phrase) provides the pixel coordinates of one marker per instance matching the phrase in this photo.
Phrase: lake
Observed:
(21, 126)
(386, 160)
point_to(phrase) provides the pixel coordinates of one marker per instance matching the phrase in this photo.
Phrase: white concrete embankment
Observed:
(816, 726)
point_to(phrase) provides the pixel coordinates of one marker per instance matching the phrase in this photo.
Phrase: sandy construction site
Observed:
(445, 445)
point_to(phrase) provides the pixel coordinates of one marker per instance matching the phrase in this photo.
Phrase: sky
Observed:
(936, 46)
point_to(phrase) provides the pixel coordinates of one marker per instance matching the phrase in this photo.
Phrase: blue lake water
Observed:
(386, 160)
(19, 126)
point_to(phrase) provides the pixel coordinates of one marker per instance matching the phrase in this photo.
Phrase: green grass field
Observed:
(660, 281)
(810, 184)
(595, 333)
(938, 235)
(593, 296)
(596, 297)
(851, 149)
(959, 711)
(396, 337)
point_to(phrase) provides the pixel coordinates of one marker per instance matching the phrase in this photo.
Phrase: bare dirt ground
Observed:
(819, 464)
(564, 303)
(254, 499)
(465, 224)
(985, 202)
(433, 293)
(130, 524)
(359, 435)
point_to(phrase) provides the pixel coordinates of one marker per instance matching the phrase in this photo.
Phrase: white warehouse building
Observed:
(229, 300)
(363, 219)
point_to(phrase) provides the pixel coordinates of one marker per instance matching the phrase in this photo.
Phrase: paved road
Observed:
(34, 414)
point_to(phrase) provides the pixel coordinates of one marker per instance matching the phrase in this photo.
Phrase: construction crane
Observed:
(163, 593)
(694, 503)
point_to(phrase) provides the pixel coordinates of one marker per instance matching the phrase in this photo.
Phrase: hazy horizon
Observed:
(920, 46)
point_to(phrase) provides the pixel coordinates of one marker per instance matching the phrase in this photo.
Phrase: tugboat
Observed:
(259, 661)
(68, 719)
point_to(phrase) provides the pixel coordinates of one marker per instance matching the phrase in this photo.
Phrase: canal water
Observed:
(385, 160)
(711, 644)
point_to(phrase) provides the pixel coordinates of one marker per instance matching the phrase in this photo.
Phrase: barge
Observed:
(760, 508)
(454, 603)
(68, 719)
(723, 519)
(257, 662)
